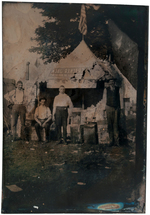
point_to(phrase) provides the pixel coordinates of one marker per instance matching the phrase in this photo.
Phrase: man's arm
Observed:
(49, 117)
(8, 96)
(36, 117)
(54, 109)
(70, 106)
(25, 99)
(70, 103)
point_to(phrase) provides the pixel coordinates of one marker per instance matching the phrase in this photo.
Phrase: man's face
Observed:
(62, 90)
(19, 86)
(42, 102)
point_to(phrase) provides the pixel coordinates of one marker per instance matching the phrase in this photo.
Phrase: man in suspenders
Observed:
(17, 99)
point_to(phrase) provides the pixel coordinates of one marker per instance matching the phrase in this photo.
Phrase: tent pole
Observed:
(82, 37)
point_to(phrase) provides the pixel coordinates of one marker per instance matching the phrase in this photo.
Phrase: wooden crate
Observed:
(75, 134)
(103, 135)
(89, 133)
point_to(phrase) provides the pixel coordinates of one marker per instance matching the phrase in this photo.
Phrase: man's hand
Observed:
(11, 102)
(43, 125)
(40, 123)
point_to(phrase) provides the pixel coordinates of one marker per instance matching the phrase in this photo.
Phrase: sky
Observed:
(19, 23)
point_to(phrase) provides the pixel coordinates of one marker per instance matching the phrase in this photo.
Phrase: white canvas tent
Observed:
(69, 71)
(80, 69)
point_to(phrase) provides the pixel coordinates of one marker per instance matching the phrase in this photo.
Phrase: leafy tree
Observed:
(60, 34)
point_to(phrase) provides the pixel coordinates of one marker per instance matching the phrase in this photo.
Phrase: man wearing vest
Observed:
(60, 112)
(42, 117)
(17, 99)
(113, 111)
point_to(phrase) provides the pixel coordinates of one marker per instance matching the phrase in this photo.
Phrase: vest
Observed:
(113, 97)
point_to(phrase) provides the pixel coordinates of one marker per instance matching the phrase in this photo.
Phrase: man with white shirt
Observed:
(17, 99)
(42, 117)
(60, 112)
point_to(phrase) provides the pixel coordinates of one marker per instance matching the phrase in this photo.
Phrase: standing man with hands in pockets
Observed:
(60, 112)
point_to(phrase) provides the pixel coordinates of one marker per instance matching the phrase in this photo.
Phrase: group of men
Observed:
(43, 115)
(62, 102)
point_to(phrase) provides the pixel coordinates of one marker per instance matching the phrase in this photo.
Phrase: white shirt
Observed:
(17, 96)
(62, 100)
(42, 112)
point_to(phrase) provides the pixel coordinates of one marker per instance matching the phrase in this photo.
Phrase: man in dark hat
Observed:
(113, 110)
(42, 117)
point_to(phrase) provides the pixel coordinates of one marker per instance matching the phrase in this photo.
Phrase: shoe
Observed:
(58, 142)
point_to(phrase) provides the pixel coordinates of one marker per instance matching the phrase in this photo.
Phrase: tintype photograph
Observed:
(74, 107)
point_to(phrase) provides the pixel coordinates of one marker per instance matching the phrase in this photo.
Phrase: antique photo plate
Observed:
(74, 107)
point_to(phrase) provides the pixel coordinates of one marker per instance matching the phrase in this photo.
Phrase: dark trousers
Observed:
(113, 123)
(38, 129)
(61, 120)
(18, 110)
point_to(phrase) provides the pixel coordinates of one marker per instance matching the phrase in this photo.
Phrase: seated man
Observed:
(42, 117)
